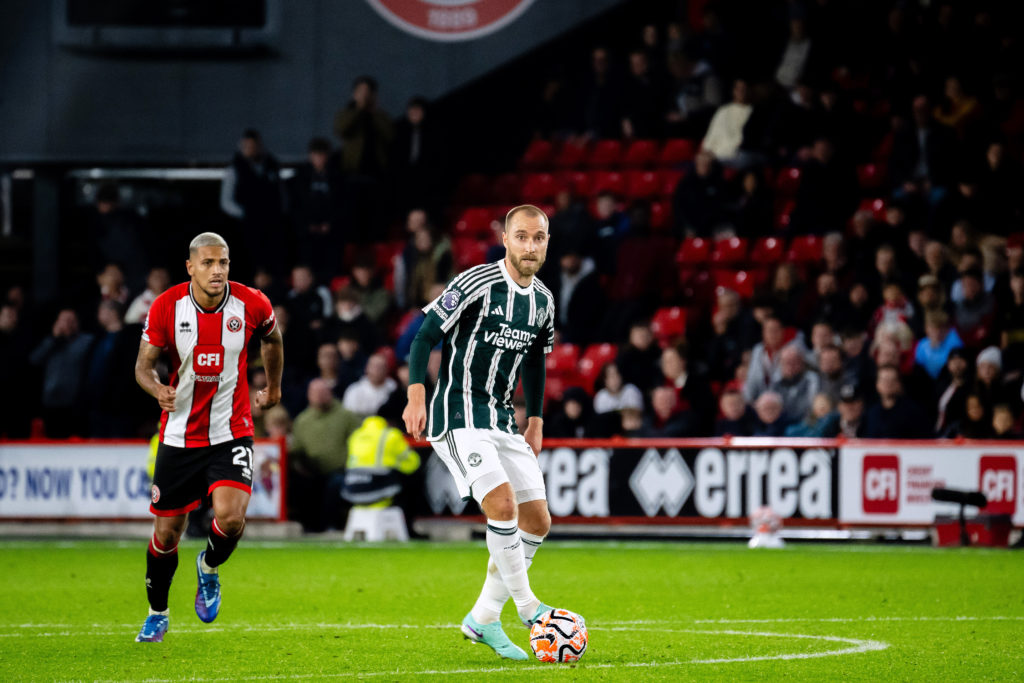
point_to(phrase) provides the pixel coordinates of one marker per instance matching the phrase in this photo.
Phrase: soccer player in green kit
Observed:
(496, 322)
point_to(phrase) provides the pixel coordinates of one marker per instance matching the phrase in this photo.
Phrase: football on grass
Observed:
(559, 636)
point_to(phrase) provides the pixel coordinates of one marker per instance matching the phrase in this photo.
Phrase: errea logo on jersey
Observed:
(997, 479)
(881, 484)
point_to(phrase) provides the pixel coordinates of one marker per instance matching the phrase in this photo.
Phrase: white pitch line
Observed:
(858, 646)
(851, 620)
(631, 625)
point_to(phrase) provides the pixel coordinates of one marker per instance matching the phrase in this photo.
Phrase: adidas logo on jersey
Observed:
(497, 310)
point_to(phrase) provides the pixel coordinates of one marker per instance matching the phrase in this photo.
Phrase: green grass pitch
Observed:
(656, 611)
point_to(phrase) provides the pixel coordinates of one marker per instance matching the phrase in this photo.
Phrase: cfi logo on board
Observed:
(881, 484)
(997, 479)
(450, 20)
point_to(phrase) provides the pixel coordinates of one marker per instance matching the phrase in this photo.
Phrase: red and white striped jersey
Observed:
(208, 361)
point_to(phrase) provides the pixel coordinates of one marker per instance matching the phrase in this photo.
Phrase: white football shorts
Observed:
(481, 460)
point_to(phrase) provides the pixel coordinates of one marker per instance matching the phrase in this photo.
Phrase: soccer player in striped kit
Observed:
(206, 427)
(497, 323)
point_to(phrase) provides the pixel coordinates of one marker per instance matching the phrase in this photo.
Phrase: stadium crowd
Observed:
(832, 246)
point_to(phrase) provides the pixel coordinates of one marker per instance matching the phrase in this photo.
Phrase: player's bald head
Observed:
(205, 239)
(525, 211)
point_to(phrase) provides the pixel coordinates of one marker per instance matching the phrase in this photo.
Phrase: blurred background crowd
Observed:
(827, 242)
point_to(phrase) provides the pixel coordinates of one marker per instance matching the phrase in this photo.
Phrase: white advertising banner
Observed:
(892, 484)
(86, 480)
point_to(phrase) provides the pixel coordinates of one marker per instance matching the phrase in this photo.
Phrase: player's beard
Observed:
(526, 268)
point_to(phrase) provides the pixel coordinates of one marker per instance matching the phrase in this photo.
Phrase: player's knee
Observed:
(500, 504)
(231, 523)
(167, 536)
(538, 525)
(536, 521)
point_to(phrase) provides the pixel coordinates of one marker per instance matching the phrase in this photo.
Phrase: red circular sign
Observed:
(450, 20)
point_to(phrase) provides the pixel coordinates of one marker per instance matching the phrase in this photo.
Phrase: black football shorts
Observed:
(183, 476)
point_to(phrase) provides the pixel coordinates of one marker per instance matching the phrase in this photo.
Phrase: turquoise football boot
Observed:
(493, 637)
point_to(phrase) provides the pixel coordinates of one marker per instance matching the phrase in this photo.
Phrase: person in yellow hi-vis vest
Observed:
(379, 458)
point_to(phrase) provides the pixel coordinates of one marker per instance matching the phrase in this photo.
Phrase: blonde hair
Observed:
(206, 239)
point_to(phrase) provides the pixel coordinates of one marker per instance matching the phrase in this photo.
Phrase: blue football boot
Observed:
(207, 592)
(153, 629)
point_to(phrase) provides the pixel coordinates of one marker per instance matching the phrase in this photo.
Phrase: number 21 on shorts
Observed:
(243, 458)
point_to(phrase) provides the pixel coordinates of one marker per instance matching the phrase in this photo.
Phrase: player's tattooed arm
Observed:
(148, 378)
(272, 352)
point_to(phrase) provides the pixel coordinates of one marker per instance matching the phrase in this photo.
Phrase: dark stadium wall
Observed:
(65, 103)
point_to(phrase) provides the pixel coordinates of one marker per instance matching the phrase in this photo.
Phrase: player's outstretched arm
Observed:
(148, 378)
(415, 414)
(272, 352)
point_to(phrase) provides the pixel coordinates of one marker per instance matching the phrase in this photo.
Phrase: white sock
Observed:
(505, 546)
(207, 569)
(494, 594)
(165, 613)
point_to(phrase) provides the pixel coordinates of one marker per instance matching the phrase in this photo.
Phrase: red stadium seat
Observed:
(676, 152)
(877, 208)
(805, 249)
(593, 361)
(570, 155)
(640, 154)
(871, 176)
(738, 281)
(694, 251)
(661, 216)
(505, 188)
(729, 252)
(605, 154)
(788, 181)
(784, 213)
(468, 252)
(768, 251)
(563, 359)
(537, 156)
(643, 185)
(474, 222)
(607, 181)
(669, 324)
(578, 183)
(385, 253)
(474, 188)
(669, 182)
(539, 187)
(697, 285)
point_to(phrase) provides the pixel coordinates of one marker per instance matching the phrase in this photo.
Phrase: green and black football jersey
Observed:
(490, 325)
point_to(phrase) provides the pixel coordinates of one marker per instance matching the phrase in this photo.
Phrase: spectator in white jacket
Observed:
(366, 396)
(725, 132)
